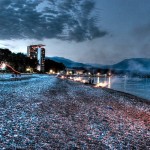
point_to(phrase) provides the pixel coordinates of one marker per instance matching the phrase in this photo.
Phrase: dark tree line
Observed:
(55, 66)
(20, 61)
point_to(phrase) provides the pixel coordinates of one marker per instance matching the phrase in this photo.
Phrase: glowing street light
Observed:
(27, 69)
(3, 66)
(51, 71)
(98, 74)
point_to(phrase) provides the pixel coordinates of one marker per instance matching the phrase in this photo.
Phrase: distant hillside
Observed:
(69, 63)
(101, 66)
(134, 64)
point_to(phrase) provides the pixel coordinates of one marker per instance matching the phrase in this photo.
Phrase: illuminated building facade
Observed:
(38, 52)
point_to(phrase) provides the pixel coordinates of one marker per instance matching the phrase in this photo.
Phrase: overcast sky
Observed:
(89, 31)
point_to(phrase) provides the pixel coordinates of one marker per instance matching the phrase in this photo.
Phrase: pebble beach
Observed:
(47, 113)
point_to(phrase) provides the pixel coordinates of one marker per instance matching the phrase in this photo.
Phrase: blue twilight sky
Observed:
(89, 31)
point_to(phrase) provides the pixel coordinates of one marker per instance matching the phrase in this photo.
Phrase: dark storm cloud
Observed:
(63, 19)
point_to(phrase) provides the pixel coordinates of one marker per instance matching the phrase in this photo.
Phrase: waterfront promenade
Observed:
(47, 113)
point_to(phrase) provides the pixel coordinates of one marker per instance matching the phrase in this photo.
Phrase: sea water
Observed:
(136, 86)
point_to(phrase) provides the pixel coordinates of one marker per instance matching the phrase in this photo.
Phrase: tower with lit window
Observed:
(38, 52)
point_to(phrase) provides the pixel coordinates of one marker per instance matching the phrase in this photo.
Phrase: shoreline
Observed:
(129, 95)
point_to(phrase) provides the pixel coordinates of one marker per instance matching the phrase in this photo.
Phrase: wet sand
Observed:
(51, 113)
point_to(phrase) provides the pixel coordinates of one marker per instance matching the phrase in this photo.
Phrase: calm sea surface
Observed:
(136, 86)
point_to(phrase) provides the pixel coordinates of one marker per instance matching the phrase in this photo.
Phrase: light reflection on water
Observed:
(136, 86)
(109, 82)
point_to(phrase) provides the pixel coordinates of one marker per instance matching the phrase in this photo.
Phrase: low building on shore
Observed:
(74, 71)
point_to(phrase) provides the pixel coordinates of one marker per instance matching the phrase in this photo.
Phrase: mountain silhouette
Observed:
(133, 64)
